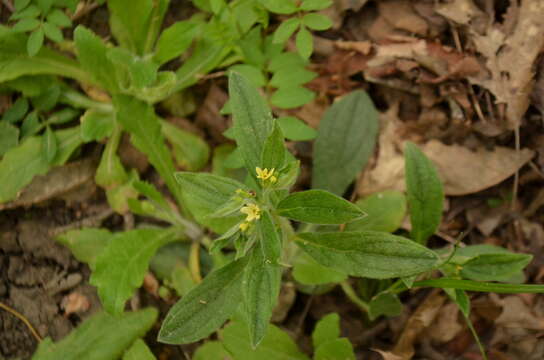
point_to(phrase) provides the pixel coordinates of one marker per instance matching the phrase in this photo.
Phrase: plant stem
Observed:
(23, 319)
(352, 295)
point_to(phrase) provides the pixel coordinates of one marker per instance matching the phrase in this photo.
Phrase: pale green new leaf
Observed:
(317, 21)
(35, 41)
(285, 30)
(211, 350)
(251, 73)
(100, 337)
(276, 345)
(139, 351)
(424, 192)
(121, 267)
(96, 125)
(369, 254)
(345, 141)
(313, 5)
(261, 287)
(304, 42)
(204, 193)
(326, 329)
(288, 77)
(86, 244)
(253, 121)
(49, 145)
(495, 267)
(295, 129)
(386, 211)
(290, 97)
(206, 307)
(318, 207)
(279, 6)
(52, 32)
(335, 349)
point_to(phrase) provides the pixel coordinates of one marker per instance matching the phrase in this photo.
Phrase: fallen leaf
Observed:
(75, 302)
(462, 171)
(60, 180)
(515, 313)
(446, 325)
(401, 15)
(387, 355)
(460, 11)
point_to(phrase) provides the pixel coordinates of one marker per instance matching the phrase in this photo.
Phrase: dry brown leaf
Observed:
(401, 15)
(151, 284)
(60, 180)
(208, 114)
(462, 171)
(460, 11)
(446, 326)
(510, 58)
(515, 313)
(419, 321)
(75, 302)
(387, 355)
(363, 47)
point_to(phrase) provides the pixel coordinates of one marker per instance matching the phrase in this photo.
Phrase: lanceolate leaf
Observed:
(205, 308)
(425, 194)
(253, 121)
(205, 193)
(274, 150)
(121, 267)
(345, 141)
(140, 120)
(86, 244)
(270, 238)
(368, 253)
(318, 207)
(100, 337)
(261, 288)
(494, 267)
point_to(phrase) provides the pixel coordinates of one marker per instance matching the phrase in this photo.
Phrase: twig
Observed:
(23, 319)
(536, 169)
(516, 175)
(84, 10)
(303, 316)
(8, 5)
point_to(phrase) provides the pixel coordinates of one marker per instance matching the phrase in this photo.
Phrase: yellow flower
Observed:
(252, 211)
(265, 174)
(244, 226)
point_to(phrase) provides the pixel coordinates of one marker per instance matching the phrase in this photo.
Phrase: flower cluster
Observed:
(265, 174)
(253, 213)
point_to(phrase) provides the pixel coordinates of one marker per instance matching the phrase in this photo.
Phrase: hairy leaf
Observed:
(369, 254)
(100, 337)
(385, 211)
(495, 267)
(174, 40)
(345, 141)
(121, 267)
(424, 192)
(318, 207)
(86, 244)
(206, 307)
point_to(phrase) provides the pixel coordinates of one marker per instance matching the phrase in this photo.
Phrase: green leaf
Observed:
(121, 267)
(96, 125)
(53, 32)
(17, 111)
(270, 239)
(20, 4)
(86, 244)
(9, 137)
(190, 151)
(384, 304)
(205, 308)
(30, 12)
(63, 116)
(318, 207)
(285, 77)
(317, 21)
(139, 351)
(174, 40)
(91, 53)
(285, 30)
(274, 150)
(385, 210)
(47, 100)
(253, 121)
(130, 24)
(35, 42)
(49, 145)
(279, 6)
(295, 129)
(204, 193)
(25, 25)
(31, 125)
(424, 192)
(304, 42)
(369, 254)
(345, 141)
(211, 350)
(470, 285)
(292, 97)
(285, 61)
(314, 5)
(147, 137)
(21, 164)
(495, 267)
(335, 349)
(100, 337)
(251, 73)
(326, 329)
(307, 271)
(59, 18)
(45, 5)
(261, 287)
(276, 345)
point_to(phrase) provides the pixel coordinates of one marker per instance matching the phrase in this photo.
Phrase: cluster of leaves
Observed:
(42, 18)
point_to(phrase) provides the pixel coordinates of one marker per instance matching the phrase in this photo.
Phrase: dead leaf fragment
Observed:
(401, 15)
(446, 326)
(75, 302)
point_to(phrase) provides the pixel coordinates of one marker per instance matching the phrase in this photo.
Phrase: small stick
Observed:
(23, 319)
